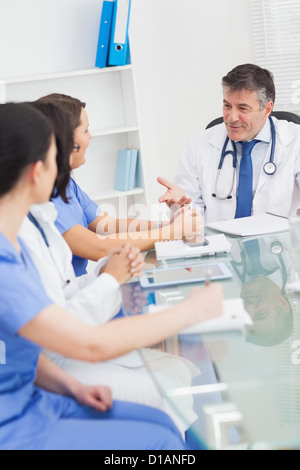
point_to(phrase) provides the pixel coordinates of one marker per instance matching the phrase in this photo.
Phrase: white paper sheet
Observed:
(234, 318)
(251, 226)
(178, 249)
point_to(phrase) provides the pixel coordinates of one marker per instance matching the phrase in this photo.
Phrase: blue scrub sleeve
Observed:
(22, 297)
(89, 207)
(80, 210)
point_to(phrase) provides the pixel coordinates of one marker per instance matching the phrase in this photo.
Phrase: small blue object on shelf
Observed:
(126, 170)
(105, 34)
(123, 170)
(132, 173)
(119, 43)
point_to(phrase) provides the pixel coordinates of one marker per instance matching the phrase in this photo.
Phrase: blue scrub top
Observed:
(81, 210)
(26, 412)
(33, 419)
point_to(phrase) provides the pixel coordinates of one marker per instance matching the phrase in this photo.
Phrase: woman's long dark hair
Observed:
(64, 142)
(25, 139)
(70, 105)
(73, 107)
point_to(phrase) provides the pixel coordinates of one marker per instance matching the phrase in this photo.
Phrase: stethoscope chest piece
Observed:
(276, 248)
(270, 168)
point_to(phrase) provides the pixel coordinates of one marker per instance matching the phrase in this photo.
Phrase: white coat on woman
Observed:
(95, 300)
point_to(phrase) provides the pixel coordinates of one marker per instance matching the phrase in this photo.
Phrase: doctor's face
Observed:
(242, 114)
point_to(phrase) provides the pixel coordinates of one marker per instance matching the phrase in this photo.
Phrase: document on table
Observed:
(234, 317)
(178, 249)
(261, 224)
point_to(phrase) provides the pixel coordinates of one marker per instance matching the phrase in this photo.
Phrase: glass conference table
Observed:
(236, 389)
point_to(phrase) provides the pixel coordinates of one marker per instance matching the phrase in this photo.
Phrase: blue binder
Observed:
(119, 44)
(132, 173)
(104, 34)
(123, 170)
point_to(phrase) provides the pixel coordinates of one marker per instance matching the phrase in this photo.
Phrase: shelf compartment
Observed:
(112, 131)
(97, 176)
(113, 194)
(109, 96)
(63, 75)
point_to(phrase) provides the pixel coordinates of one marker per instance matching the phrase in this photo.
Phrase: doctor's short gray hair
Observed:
(252, 78)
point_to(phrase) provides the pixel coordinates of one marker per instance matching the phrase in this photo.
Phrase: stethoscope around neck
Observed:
(65, 282)
(269, 167)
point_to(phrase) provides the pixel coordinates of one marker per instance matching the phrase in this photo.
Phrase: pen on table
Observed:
(277, 215)
(208, 274)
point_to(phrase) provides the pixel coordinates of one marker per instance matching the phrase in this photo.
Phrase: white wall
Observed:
(45, 36)
(182, 49)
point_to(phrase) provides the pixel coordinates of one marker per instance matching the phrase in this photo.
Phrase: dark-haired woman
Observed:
(41, 407)
(95, 298)
(81, 221)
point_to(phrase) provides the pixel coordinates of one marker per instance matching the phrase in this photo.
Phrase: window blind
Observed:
(276, 33)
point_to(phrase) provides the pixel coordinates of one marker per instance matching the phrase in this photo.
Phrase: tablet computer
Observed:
(163, 277)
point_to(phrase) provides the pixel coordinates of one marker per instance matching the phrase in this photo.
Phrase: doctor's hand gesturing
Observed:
(174, 197)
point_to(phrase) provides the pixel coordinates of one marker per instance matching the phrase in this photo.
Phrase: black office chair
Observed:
(281, 115)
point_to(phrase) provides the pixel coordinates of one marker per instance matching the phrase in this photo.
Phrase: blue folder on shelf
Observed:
(132, 172)
(119, 43)
(104, 34)
(123, 170)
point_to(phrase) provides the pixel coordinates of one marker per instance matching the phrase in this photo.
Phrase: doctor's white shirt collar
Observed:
(264, 135)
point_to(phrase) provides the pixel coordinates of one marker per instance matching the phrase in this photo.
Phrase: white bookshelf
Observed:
(112, 110)
(70, 74)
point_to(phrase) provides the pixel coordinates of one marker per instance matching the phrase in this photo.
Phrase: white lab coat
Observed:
(95, 300)
(91, 298)
(278, 194)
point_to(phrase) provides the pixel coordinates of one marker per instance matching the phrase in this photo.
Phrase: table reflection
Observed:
(248, 376)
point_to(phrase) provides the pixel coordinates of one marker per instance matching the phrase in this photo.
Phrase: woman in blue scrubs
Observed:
(41, 407)
(81, 220)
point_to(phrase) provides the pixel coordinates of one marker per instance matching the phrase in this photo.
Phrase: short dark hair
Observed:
(70, 105)
(252, 78)
(64, 142)
(25, 139)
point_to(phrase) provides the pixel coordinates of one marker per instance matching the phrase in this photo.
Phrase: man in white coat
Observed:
(250, 181)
